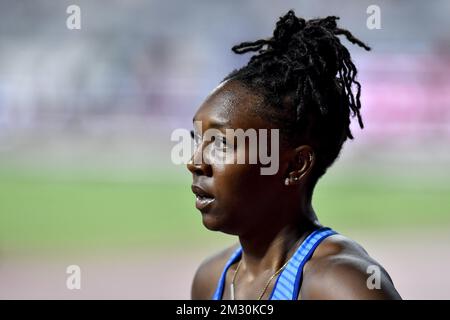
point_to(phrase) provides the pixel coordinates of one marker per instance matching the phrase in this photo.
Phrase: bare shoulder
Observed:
(208, 274)
(340, 268)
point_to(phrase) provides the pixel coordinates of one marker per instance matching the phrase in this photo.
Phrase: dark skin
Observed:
(270, 218)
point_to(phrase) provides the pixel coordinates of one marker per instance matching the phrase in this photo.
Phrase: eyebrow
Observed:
(214, 123)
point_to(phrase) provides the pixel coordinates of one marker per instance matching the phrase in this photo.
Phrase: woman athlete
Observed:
(301, 81)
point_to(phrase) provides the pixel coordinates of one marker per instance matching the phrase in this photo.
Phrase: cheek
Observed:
(240, 184)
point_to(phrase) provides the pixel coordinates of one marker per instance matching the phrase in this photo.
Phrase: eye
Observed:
(196, 138)
(220, 142)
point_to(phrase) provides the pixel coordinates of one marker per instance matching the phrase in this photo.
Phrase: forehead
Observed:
(232, 105)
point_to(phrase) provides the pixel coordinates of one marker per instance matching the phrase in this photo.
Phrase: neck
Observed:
(269, 246)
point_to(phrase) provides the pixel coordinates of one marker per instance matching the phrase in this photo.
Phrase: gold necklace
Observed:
(266, 286)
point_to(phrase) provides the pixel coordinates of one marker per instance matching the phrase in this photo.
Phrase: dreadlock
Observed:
(308, 80)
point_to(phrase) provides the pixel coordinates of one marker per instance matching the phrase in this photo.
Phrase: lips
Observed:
(203, 199)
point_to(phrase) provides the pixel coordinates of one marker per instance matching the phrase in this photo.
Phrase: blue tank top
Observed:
(288, 282)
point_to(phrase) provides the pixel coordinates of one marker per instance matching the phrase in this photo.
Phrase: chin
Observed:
(214, 224)
(211, 223)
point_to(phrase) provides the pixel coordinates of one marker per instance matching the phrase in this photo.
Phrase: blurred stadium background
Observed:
(85, 123)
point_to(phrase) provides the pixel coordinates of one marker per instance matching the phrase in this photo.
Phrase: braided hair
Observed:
(308, 82)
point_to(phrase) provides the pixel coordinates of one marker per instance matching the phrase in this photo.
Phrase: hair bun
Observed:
(286, 27)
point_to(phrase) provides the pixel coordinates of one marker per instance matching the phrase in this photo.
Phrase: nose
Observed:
(197, 164)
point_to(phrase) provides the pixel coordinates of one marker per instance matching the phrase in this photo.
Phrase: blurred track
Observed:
(410, 258)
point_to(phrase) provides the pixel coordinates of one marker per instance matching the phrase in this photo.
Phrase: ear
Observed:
(300, 165)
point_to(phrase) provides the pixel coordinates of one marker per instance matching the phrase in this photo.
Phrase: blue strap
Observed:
(288, 283)
(234, 257)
